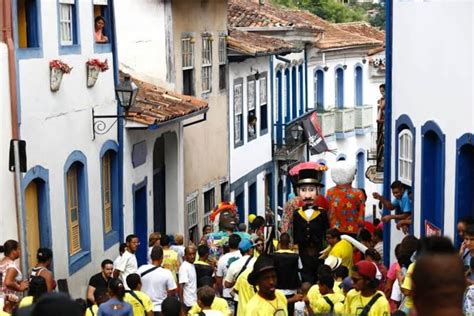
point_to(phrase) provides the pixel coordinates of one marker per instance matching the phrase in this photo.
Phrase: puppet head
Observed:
(343, 172)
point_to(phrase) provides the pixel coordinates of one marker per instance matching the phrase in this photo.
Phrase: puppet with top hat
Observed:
(305, 217)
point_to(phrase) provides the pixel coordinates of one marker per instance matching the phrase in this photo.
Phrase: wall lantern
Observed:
(126, 93)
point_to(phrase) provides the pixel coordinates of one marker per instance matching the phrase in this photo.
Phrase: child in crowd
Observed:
(329, 302)
(100, 296)
(141, 303)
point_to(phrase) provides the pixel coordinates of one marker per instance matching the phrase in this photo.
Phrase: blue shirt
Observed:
(107, 308)
(402, 205)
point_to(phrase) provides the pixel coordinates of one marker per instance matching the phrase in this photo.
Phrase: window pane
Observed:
(251, 95)
(263, 90)
(238, 98)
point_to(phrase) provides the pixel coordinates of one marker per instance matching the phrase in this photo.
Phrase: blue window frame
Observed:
(68, 27)
(302, 97)
(319, 89)
(464, 199)
(287, 96)
(102, 8)
(279, 102)
(294, 94)
(27, 21)
(432, 175)
(339, 87)
(76, 195)
(110, 189)
(252, 198)
(358, 86)
(238, 103)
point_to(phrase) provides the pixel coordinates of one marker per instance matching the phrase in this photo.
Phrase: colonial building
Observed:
(250, 118)
(62, 77)
(430, 118)
(344, 92)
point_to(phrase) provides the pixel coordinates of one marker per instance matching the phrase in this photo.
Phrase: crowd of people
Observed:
(324, 259)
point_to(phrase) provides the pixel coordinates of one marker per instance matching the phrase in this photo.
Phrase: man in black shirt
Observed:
(203, 268)
(100, 280)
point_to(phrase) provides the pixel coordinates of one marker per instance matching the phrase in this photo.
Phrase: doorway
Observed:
(140, 220)
(159, 186)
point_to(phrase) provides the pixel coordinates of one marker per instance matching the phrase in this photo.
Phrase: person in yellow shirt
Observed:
(367, 301)
(339, 248)
(406, 289)
(100, 296)
(219, 304)
(141, 303)
(245, 290)
(329, 302)
(268, 300)
(170, 257)
(314, 294)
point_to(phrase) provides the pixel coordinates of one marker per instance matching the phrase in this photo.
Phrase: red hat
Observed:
(366, 269)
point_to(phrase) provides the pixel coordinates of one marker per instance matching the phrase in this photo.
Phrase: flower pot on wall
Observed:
(92, 75)
(55, 78)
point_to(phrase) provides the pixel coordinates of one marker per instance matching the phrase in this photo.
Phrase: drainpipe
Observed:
(7, 37)
(388, 124)
(120, 122)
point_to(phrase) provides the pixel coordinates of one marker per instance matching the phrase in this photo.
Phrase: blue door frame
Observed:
(279, 122)
(302, 95)
(432, 176)
(294, 95)
(361, 170)
(140, 219)
(253, 198)
(339, 88)
(287, 96)
(358, 86)
(464, 187)
(319, 88)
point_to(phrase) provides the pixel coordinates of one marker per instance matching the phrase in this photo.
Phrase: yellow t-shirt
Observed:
(407, 284)
(171, 262)
(245, 289)
(219, 304)
(314, 295)
(355, 303)
(321, 306)
(138, 309)
(26, 301)
(2, 313)
(95, 310)
(343, 250)
(258, 306)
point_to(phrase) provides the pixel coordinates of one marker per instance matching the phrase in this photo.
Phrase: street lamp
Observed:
(296, 132)
(126, 92)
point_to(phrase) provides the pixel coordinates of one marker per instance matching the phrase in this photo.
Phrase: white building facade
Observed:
(431, 113)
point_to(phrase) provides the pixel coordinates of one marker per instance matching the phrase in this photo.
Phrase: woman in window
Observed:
(99, 30)
(12, 279)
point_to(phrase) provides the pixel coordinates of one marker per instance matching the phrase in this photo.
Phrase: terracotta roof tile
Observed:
(249, 13)
(334, 36)
(363, 29)
(156, 105)
(257, 45)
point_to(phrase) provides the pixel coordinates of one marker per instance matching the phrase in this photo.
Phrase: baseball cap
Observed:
(366, 269)
(245, 245)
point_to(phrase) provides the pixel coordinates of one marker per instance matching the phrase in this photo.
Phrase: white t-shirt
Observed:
(223, 265)
(236, 266)
(127, 264)
(180, 251)
(187, 276)
(156, 284)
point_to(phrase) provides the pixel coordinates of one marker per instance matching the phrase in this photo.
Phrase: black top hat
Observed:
(308, 176)
(264, 263)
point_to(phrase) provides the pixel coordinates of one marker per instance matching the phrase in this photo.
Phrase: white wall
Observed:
(174, 176)
(8, 220)
(258, 151)
(434, 82)
(141, 39)
(56, 124)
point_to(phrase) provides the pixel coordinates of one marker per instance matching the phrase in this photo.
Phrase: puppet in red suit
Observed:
(305, 217)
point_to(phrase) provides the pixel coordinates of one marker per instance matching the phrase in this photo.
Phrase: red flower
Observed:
(102, 65)
(58, 64)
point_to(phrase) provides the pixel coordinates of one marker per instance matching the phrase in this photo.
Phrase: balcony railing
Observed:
(363, 116)
(345, 122)
(327, 122)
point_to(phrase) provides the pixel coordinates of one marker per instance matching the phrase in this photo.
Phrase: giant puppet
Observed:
(346, 204)
(225, 219)
(305, 216)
